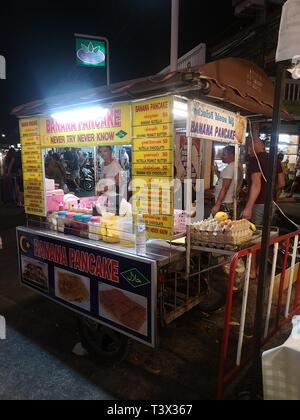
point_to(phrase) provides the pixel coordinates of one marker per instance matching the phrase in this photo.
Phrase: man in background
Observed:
(296, 182)
(225, 188)
(257, 173)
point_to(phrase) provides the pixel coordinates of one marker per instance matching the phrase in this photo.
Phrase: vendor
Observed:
(225, 188)
(257, 173)
(111, 173)
(55, 170)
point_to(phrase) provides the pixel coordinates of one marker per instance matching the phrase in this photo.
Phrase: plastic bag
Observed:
(281, 368)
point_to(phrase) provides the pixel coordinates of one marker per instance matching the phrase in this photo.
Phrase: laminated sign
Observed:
(211, 123)
(153, 164)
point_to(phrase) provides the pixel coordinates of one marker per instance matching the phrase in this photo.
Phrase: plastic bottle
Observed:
(140, 236)
(61, 221)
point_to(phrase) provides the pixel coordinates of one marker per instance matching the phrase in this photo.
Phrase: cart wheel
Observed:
(107, 345)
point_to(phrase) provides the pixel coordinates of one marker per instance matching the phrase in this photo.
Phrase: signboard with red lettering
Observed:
(113, 289)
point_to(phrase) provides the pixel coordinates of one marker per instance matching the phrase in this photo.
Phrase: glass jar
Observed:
(52, 221)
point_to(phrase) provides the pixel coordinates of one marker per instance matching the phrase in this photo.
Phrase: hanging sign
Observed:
(211, 123)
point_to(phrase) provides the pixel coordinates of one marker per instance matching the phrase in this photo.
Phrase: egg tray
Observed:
(209, 240)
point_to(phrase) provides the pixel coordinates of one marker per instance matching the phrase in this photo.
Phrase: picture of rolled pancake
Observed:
(240, 130)
(122, 308)
(71, 287)
(35, 273)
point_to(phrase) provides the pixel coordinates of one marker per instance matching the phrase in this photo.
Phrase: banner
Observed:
(115, 290)
(211, 123)
(112, 127)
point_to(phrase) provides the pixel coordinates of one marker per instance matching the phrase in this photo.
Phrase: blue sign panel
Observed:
(113, 289)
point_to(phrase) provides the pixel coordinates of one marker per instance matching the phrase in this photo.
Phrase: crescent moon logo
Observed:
(24, 244)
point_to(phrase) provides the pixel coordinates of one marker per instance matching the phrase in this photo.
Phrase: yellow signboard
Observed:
(154, 207)
(153, 112)
(111, 127)
(32, 161)
(153, 145)
(153, 164)
(153, 183)
(162, 158)
(152, 170)
(153, 131)
(29, 127)
(159, 226)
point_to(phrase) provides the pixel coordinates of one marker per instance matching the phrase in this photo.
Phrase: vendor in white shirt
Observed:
(225, 188)
(111, 173)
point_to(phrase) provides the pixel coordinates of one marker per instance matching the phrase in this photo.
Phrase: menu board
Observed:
(110, 126)
(32, 161)
(153, 164)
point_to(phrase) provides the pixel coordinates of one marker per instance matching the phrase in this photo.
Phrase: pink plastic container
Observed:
(53, 199)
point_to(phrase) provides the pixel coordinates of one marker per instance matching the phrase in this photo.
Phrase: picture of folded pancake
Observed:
(124, 309)
(240, 129)
(71, 287)
(35, 273)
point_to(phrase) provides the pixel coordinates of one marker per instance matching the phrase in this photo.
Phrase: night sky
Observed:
(38, 44)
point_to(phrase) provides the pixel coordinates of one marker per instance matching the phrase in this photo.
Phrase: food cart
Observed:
(80, 250)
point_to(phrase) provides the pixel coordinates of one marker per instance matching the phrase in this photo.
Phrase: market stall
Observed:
(110, 254)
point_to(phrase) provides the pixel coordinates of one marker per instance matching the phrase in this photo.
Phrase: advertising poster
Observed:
(112, 126)
(116, 290)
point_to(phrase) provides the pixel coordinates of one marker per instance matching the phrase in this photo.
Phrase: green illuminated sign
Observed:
(90, 52)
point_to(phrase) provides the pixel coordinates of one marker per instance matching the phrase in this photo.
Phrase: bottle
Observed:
(140, 235)
(61, 221)
(95, 212)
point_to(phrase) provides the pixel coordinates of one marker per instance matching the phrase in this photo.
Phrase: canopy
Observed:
(289, 35)
(238, 84)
